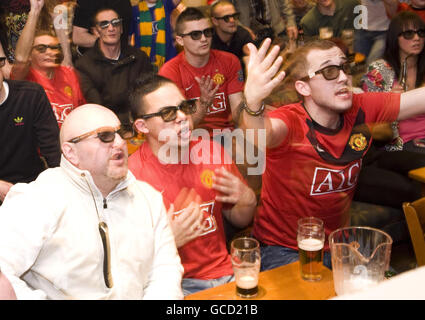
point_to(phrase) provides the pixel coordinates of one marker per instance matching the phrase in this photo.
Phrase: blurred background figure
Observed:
(151, 29)
(370, 41)
(82, 33)
(38, 58)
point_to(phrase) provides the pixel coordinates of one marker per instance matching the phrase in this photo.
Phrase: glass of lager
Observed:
(311, 239)
(246, 259)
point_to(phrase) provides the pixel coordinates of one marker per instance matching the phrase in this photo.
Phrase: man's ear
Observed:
(179, 40)
(70, 153)
(95, 32)
(303, 88)
(214, 21)
(140, 126)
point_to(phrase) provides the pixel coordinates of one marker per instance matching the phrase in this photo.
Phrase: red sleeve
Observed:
(378, 106)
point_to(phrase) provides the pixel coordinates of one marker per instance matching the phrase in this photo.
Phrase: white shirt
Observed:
(50, 246)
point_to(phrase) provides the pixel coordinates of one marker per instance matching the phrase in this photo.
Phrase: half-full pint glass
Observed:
(246, 259)
(311, 239)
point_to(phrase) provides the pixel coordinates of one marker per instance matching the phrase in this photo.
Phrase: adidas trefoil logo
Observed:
(19, 121)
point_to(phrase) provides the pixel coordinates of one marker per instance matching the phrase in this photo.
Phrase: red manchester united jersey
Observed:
(63, 90)
(206, 257)
(226, 71)
(314, 171)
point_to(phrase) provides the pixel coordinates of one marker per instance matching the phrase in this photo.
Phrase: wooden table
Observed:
(419, 175)
(282, 283)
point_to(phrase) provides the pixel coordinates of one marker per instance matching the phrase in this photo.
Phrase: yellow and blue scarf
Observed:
(146, 28)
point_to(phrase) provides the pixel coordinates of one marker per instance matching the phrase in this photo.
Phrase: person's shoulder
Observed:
(150, 193)
(224, 56)
(24, 86)
(172, 65)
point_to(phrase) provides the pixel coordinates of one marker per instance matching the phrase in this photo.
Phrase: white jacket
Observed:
(49, 238)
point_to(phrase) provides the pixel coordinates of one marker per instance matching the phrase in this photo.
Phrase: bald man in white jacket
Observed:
(88, 229)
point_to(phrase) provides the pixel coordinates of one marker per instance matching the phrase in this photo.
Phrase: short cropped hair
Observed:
(189, 14)
(219, 3)
(145, 84)
(297, 66)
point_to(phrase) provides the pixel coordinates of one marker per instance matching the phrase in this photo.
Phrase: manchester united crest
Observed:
(68, 91)
(358, 142)
(207, 178)
(218, 78)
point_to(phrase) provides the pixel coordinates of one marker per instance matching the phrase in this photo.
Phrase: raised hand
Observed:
(36, 5)
(262, 70)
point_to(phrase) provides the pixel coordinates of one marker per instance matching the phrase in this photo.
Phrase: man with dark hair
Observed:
(314, 148)
(85, 10)
(199, 193)
(108, 70)
(212, 76)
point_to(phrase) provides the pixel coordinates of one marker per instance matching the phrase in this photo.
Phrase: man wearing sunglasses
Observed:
(88, 229)
(29, 130)
(38, 57)
(316, 146)
(212, 76)
(82, 33)
(199, 192)
(108, 70)
(229, 35)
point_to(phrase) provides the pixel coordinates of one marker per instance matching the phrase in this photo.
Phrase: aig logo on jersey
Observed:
(207, 210)
(330, 180)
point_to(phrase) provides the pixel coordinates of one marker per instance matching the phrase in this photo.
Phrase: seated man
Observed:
(29, 130)
(197, 192)
(228, 36)
(213, 76)
(88, 229)
(336, 15)
(38, 57)
(315, 147)
(108, 69)
(82, 34)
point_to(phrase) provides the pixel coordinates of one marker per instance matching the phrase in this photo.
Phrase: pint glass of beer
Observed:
(311, 238)
(246, 259)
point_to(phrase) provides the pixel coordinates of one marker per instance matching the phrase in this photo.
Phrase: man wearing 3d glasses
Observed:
(109, 68)
(198, 181)
(88, 229)
(314, 147)
(38, 56)
(215, 77)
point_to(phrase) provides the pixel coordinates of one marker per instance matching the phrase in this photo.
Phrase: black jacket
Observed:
(107, 82)
(28, 126)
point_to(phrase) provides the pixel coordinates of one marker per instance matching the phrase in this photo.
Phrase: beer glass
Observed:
(246, 259)
(311, 239)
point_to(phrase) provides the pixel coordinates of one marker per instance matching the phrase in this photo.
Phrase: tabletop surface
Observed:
(282, 283)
